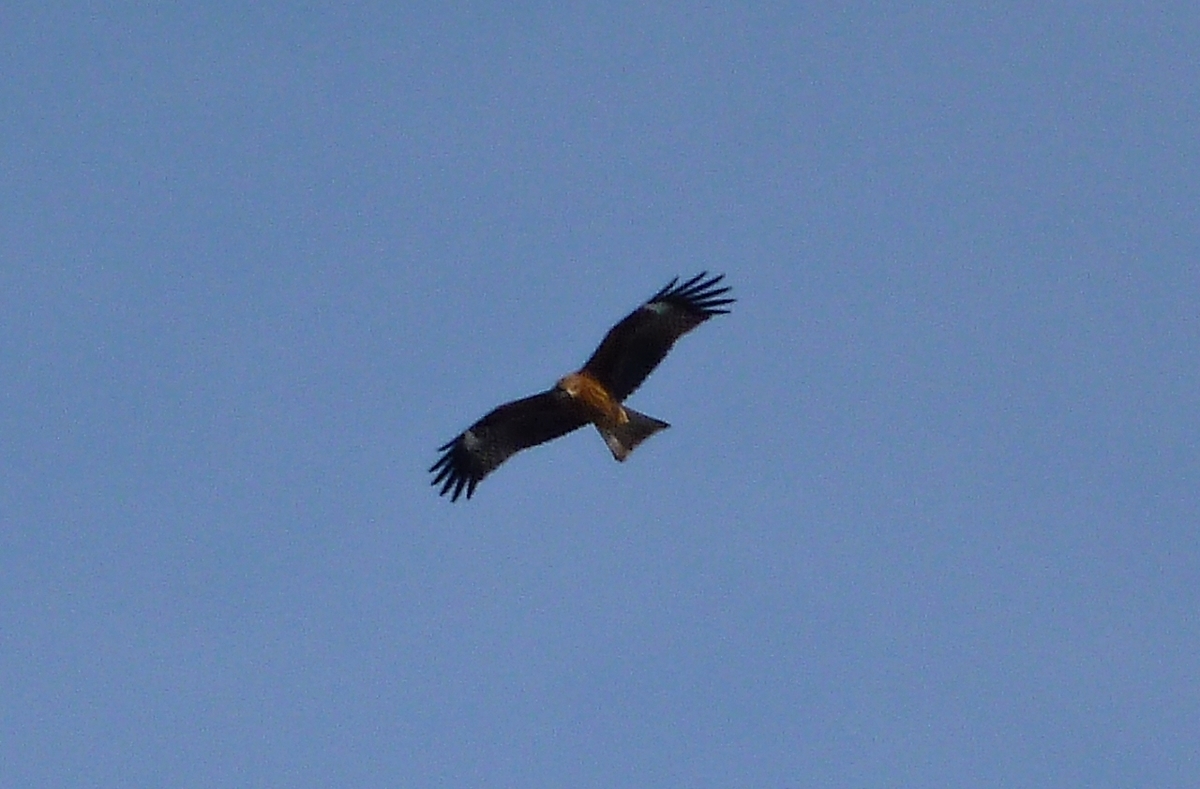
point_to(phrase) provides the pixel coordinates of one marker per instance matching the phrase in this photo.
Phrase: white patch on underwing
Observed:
(471, 441)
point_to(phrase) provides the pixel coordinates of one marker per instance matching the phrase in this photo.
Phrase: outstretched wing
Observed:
(514, 426)
(634, 347)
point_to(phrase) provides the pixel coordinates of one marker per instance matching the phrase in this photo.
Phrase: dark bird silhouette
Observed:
(629, 353)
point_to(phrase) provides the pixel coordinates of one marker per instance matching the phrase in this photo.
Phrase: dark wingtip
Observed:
(453, 472)
(697, 294)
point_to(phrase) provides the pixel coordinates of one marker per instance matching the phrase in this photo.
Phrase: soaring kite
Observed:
(630, 352)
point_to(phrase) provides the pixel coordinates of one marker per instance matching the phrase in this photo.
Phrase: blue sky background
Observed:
(928, 512)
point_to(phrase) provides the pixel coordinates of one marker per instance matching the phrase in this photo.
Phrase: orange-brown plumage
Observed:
(602, 407)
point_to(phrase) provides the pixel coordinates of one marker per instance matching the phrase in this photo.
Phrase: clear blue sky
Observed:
(929, 511)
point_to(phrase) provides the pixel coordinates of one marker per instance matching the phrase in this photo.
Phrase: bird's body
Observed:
(594, 394)
(599, 404)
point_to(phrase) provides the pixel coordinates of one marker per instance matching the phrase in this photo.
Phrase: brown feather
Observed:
(506, 430)
(635, 346)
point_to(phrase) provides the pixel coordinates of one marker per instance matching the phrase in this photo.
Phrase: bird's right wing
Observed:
(634, 347)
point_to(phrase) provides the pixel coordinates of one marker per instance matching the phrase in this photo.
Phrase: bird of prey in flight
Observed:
(594, 394)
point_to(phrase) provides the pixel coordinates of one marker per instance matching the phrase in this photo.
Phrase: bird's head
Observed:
(570, 384)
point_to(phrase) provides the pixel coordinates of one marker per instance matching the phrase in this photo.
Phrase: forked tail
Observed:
(623, 439)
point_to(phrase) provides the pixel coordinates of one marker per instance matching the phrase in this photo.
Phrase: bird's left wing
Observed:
(514, 426)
